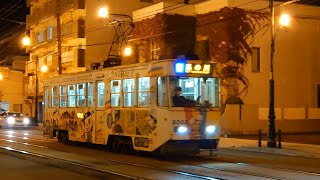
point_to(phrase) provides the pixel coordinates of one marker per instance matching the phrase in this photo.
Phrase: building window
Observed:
(128, 92)
(144, 91)
(100, 93)
(71, 95)
(255, 59)
(41, 37)
(115, 87)
(63, 96)
(90, 94)
(50, 33)
(162, 92)
(81, 98)
(154, 50)
(55, 96)
(67, 56)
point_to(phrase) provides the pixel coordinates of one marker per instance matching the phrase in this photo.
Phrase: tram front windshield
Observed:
(194, 91)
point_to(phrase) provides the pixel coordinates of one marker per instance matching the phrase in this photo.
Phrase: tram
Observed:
(132, 107)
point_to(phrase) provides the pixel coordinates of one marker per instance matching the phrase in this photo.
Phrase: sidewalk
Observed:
(288, 149)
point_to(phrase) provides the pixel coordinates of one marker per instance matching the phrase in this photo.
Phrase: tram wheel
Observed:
(115, 145)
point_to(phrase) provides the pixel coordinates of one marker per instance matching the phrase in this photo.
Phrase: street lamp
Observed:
(284, 21)
(27, 42)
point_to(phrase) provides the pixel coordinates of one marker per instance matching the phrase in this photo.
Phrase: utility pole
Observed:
(37, 91)
(59, 37)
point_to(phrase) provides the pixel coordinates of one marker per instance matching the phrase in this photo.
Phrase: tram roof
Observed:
(147, 67)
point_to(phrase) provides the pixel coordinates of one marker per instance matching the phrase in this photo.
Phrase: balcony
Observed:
(49, 9)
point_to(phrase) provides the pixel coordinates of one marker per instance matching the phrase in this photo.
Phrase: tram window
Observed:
(162, 99)
(71, 95)
(144, 91)
(46, 96)
(55, 96)
(63, 96)
(100, 93)
(90, 94)
(115, 87)
(128, 92)
(195, 91)
(81, 98)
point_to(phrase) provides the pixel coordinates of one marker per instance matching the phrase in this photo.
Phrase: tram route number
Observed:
(179, 122)
(119, 74)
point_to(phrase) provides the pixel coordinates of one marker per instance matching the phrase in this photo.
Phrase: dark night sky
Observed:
(12, 12)
(12, 24)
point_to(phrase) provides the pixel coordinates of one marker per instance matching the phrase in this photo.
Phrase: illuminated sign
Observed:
(192, 68)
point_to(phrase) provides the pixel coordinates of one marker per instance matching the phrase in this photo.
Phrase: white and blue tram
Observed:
(131, 106)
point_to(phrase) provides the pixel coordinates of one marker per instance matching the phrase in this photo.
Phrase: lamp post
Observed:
(26, 42)
(284, 21)
(123, 25)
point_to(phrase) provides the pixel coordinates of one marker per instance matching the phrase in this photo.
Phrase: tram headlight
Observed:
(26, 121)
(182, 129)
(211, 129)
(11, 120)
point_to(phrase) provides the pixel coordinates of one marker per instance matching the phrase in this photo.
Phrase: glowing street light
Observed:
(26, 41)
(1, 76)
(44, 68)
(127, 51)
(284, 20)
(103, 12)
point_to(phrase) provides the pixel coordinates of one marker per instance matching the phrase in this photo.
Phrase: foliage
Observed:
(229, 32)
(175, 34)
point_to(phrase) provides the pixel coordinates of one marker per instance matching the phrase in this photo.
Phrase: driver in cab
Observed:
(180, 101)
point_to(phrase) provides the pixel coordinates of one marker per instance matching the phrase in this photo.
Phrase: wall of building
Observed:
(11, 88)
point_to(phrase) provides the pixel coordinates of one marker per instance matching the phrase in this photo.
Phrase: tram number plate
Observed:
(141, 142)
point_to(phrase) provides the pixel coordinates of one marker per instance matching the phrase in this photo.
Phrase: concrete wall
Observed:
(248, 119)
(12, 88)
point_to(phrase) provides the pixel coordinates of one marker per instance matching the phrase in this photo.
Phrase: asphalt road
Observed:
(17, 168)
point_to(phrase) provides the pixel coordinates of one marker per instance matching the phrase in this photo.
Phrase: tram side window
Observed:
(81, 98)
(100, 92)
(46, 96)
(128, 92)
(55, 96)
(90, 94)
(71, 95)
(162, 99)
(115, 87)
(63, 96)
(144, 91)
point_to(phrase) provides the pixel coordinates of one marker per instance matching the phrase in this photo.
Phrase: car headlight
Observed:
(26, 121)
(182, 129)
(211, 129)
(11, 120)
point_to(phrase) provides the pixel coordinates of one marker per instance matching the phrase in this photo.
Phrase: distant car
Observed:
(12, 119)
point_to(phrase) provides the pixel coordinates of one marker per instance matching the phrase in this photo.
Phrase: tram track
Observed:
(181, 173)
(209, 167)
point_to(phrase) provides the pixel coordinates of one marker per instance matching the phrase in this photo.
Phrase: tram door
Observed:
(99, 113)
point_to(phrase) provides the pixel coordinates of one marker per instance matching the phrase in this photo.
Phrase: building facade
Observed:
(296, 64)
(69, 30)
(11, 91)
(86, 39)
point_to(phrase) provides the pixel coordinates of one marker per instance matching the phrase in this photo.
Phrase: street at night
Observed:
(34, 155)
(160, 89)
